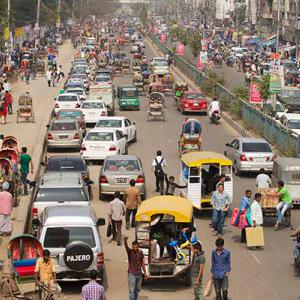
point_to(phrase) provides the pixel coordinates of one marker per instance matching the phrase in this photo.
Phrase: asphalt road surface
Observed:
(256, 274)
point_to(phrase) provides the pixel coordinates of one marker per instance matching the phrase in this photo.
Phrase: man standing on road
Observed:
(256, 211)
(220, 268)
(220, 202)
(159, 165)
(263, 181)
(9, 101)
(132, 198)
(6, 202)
(197, 270)
(117, 210)
(93, 290)
(135, 266)
(25, 160)
(49, 77)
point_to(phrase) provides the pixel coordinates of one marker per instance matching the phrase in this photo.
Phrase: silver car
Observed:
(64, 133)
(116, 173)
(250, 155)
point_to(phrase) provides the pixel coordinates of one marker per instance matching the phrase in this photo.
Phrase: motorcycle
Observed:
(215, 117)
(230, 62)
(297, 251)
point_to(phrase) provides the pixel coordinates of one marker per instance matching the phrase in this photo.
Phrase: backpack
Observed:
(159, 172)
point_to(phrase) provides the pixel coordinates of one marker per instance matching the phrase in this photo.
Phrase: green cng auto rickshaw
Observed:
(128, 97)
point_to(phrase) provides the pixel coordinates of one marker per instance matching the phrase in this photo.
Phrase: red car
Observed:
(192, 102)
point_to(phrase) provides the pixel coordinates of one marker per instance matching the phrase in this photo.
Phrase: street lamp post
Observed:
(38, 12)
(278, 25)
(297, 27)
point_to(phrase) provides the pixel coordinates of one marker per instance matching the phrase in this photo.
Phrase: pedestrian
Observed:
(197, 270)
(93, 290)
(220, 202)
(3, 109)
(284, 204)
(33, 71)
(9, 101)
(25, 160)
(6, 85)
(27, 75)
(220, 268)
(263, 181)
(132, 198)
(159, 165)
(256, 211)
(135, 266)
(49, 77)
(244, 206)
(60, 73)
(53, 77)
(172, 185)
(6, 203)
(117, 210)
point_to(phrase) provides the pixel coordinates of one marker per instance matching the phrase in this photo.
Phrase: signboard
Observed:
(19, 31)
(180, 49)
(204, 44)
(6, 33)
(163, 38)
(255, 96)
(199, 63)
(275, 71)
(203, 55)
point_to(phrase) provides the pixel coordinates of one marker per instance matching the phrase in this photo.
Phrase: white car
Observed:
(134, 49)
(65, 101)
(93, 110)
(159, 66)
(80, 92)
(121, 123)
(292, 121)
(82, 77)
(102, 80)
(100, 143)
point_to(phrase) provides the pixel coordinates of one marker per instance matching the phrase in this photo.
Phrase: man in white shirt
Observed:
(256, 211)
(159, 165)
(6, 86)
(213, 106)
(263, 181)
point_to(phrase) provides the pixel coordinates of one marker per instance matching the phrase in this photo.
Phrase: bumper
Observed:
(69, 276)
(91, 155)
(194, 109)
(109, 189)
(64, 144)
(255, 166)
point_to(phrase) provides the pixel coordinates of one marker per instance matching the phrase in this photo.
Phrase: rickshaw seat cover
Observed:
(24, 262)
(25, 271)
(180, 208)
(197, 158)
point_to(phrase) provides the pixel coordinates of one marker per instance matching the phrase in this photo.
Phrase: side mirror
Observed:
(101, 222)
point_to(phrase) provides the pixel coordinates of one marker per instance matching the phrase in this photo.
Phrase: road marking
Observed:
(170, 141)
(255, 258)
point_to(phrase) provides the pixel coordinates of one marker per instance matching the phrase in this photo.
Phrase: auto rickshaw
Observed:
(159, 231)
(190, 137)
(157, 107)
(128, 97)
(168, 83)
(126, 65)
(200, 172)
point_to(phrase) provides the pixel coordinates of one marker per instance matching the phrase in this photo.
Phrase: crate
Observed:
(269, 199)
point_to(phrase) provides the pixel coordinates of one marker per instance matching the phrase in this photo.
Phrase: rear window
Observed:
(102, 79)
(69, 114)
(92, 105)
(100, 136)
(67, 98)
(110, 123)
(61, 194)
(60, 237)
(294, 124)
(194, 96)
(256, 147)
(122, 165)
(63, 126)
(78, 92)
(66, 165)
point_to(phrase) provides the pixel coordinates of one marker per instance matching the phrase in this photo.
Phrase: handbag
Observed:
(243, 220)
(109, 230)
(208, 289)
(233, 216)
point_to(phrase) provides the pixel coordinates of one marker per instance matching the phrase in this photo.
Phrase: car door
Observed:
(236, 151)
(130, 131)
(120, 144)
(230, 149)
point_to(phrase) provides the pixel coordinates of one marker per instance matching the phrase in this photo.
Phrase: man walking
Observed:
(93, 290)
(6, 202)
(159, 165)
(49, 77)
(117, 210)
(197, 270)
(135, 267)
(132, 198)
(9, 101)
(25, 160)
(220, 268)
(220, 202)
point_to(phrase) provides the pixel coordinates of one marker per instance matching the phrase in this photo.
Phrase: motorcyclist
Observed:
(213, 106)
(296, 235)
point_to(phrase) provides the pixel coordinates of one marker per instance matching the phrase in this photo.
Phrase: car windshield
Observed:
(110, 123)
(100, 137)
(60, 237)
(193, 96)
(63, 194)
(160, 63)
(78, 92)
(192, 128)
(62, 126)
(67, 98)
(66, 165)
(69, 114)
(91, 105)
(102, 79)
(256, 147)
(122, 165)
(294, 124)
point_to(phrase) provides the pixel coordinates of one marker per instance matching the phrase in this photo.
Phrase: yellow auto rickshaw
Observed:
(159, 230)
(200, 172)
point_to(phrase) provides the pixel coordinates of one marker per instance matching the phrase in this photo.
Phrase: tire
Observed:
(237, 172)
(188, 277)
(135, 137)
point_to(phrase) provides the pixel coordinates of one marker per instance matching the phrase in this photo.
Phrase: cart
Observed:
(157, 108)
(41, 67)
(25, 109)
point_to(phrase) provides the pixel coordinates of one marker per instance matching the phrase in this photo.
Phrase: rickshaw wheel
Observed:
(7, 291)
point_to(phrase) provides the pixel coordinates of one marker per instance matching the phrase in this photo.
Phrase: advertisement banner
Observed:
(204, 44)
(203, 55)
(19, 31)
(180, 49)
(275, 83)
(199, 63)
(255, 96)
(6, 33)
(163, 38)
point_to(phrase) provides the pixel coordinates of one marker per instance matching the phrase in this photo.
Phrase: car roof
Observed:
(121, 157)
(61, 179)
(68, 94)
(67, 120)
(112, 118)
(292, 116)
(101, 129)
(69, 215)
(252, 140)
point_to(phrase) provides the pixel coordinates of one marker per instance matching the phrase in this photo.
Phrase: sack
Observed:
(255, 236)
(109, 230)
(208, 289)
(243, 220)
(159, 172)
(233, 216)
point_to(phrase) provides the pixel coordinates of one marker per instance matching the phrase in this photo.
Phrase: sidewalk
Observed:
(32, 135)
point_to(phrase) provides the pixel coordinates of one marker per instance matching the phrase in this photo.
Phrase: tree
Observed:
(195, 42)
(264, 87)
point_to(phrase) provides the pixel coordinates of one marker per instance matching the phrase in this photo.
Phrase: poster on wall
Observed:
(180, 49)
(255, 96)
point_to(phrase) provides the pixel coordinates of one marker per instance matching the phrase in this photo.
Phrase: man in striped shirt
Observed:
(93, 290)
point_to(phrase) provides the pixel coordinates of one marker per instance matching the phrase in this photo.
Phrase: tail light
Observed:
(77, 105)
(243, 157)
(49, 136)
(100, 259)
(140, 179)
(103, 179)
(76, 136)
(271, 158)
(56, 105)
(112, 148)
(34, 212)
(103, 114)
(82, 148)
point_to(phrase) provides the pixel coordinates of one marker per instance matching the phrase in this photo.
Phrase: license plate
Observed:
(195, 104)
(97, 147)
(121, 180)
(92, 113)
(63, 136)
(259, 159)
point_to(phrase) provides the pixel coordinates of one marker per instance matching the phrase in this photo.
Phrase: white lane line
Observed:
(170, 141)
(255, 258)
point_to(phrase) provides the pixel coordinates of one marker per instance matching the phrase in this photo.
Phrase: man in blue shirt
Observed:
(220, 268)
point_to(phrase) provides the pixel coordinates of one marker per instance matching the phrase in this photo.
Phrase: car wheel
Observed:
(237, 172)
(135, 137)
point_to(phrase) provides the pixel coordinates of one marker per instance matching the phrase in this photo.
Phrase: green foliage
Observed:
(179, 34)
(241, 92)
(264, 87)
(144, 13)
(195, 42)
(208, 86)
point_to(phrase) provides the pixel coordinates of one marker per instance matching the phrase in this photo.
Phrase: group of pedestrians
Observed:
(53, 75)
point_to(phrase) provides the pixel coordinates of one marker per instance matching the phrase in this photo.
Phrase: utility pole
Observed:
(8, 20)
(297, 30)
(73, 10)
(278, 25)
(38, 12)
